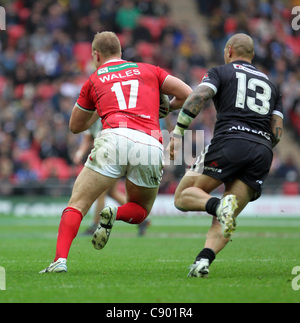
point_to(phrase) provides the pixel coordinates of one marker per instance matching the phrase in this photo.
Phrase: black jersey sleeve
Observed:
(212, 79)
(278, 109)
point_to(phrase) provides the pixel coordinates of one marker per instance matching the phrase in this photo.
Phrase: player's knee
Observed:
(82, 208)
(179, 203)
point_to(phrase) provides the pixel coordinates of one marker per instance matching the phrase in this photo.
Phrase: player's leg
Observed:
(101, 171)
(143, 178)
(215, 240)
(120, 197)
(142, 184)
(99, 206)
(139, 204)
(193, 195)
(250, 162)
(116, 194)
(88, 186)
(193, 191)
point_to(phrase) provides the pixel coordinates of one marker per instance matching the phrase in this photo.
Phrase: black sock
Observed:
(207, 253)
(212, 205)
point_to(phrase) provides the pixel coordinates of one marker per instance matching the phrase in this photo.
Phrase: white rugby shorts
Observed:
(126, 152)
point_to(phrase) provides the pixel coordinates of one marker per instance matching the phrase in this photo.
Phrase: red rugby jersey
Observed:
(125, 95)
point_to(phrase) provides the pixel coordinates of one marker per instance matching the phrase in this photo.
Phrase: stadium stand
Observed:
(45, 57)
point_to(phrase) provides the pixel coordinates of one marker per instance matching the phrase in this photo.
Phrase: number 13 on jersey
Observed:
(253, 84)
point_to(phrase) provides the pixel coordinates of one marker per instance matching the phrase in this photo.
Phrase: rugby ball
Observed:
(164, 106)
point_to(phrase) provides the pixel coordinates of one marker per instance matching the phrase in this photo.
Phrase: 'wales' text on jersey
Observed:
(121, 75)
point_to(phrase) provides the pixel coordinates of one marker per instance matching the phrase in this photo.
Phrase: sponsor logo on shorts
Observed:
(213, 169)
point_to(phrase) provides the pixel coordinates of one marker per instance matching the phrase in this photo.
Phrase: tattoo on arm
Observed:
(278, 132)
(277, 136)
(196, 100)
(277, 129)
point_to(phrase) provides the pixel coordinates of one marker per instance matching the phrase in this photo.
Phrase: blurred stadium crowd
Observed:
(45, 56)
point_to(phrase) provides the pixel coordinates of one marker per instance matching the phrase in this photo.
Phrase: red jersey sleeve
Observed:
(162, 75)
(85, 101)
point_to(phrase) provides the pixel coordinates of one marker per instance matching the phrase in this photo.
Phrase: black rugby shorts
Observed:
(230, 159)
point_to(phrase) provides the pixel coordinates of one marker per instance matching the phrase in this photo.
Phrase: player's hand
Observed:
(174, 147)
(78, 157)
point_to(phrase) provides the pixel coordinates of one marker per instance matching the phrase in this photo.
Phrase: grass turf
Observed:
(255, 267)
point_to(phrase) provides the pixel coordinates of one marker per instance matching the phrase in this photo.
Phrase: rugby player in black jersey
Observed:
(249, 124)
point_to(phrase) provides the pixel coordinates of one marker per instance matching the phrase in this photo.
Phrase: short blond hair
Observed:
(107, 44)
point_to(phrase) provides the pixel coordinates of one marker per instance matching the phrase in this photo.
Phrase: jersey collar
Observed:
(114, 61)
(243, 62)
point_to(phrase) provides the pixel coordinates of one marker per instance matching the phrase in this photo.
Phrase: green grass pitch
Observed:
(255, 267)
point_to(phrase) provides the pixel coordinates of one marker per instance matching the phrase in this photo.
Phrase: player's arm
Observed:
(191, 108)
(175, 87)
(82, 120)
(84, 148)
(277, 128)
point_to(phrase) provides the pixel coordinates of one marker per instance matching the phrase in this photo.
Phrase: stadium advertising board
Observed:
(266, 206)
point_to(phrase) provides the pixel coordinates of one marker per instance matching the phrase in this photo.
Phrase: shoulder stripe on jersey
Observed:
(84, 109)
(213, 87)
(164, 80)
(278, 113)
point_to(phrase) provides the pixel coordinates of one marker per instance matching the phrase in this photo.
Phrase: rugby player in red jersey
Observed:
(126, 96)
